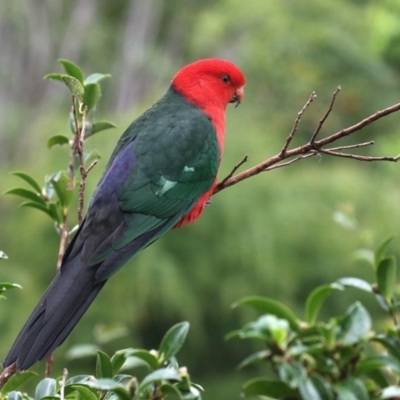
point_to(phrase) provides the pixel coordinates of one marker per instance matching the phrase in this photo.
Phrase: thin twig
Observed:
(7, 374)
(352, 146)
(312, 147)
(322, 121)
(62, 383)
(358, 157)
(312, 97)
(236, 167)
(285, 164)
(49, 366)
(82, 169)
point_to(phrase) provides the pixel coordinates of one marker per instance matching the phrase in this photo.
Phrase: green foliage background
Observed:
(276, 234)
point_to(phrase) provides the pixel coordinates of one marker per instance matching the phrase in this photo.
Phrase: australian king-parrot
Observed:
(160, 176)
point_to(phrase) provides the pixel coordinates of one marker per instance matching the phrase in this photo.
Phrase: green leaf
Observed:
(78, 379)
(173, 340)
(271, 388)
(391, 392)
(100, 126)
(351, 389)
(61, 182)
(293, 374)
(386, 276)
(145, 356)
(4, 286)
(56, 212)
(37, 206)
(316, 298)
(46, 387)
(103, 366)
(84, 392)
(14, 395)
(356, 283)
(381, 249)
(74, 86)
(269, 306)
(168, 389)
(27, 194)
(391, 344)
(3, 255)
(28, 179)
(54, 77)
(117, 361)
(377, 362)
(72, 69)
(109, 385)
(57, 139)
(16, 381)
(321, 386)
(91, 156)
(92, 96)
(254, 358)
(162, 374)
(95, 78)
(354, 325)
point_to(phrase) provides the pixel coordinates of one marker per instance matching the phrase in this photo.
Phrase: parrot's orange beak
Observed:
(238, 96)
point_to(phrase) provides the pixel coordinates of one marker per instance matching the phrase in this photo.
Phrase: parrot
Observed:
(160, 176)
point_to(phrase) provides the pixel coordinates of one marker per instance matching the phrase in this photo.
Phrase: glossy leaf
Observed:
(92, 96)
(381, 249)
(46, 387)
(254, 358)
(379, 361)
(14, 395)
(269, 306)
(57, 140)
(316, 298)
(322, 388)
(386, 276)
(117, 361)
(95, 78)
(4, 286)
(84, 392)
(391, 343)
(270, 388)
(78, 379)
(145, 356)
(293, 374)
(74, 86)
(109, 385)
(16, 381)
(351, 389)
(103, 366)
(37, 206)
(168, 389)
(173, 340)
(60, 181)
(72, 69)
(160, 375)
(56, 212)
(27, 194)
(28, 179)
(356, 283)
(355, 325)
(391, 392)
(100, 126)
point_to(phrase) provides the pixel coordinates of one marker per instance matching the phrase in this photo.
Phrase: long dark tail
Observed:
(65, 301)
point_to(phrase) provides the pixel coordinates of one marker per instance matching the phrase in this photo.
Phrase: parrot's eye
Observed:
(226, 79)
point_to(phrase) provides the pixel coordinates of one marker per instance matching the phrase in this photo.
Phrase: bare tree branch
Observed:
(314, 147)
(312, 97)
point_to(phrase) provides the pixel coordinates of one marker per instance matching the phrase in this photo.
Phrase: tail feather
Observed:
(65, 301)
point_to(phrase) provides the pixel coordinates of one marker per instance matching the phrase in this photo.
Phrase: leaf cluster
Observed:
(164, 378)
(341, 358)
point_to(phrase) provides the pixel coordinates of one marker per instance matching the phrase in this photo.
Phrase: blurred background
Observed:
(278, 234)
